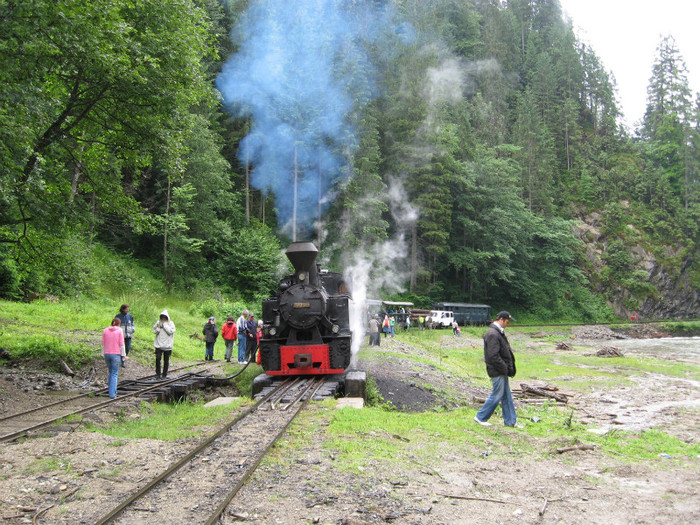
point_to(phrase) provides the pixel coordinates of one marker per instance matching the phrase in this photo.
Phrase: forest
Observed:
(450, 150)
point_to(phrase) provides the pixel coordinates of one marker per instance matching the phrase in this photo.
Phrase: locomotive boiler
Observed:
(306, 324)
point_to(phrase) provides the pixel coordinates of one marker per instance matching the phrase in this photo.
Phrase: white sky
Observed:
(625, 34)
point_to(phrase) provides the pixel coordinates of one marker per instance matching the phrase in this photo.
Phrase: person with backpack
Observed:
(211, 333)
(128, 328)
(242, 342)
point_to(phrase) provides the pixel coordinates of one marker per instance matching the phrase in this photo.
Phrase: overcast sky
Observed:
(625, 35)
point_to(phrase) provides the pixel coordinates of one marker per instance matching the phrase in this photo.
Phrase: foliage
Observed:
(46, 349)
(499, 123)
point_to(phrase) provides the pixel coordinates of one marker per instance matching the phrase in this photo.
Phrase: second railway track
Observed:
(198, 488)
(16, 425)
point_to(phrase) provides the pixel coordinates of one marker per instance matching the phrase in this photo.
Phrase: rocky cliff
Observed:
(663, 284)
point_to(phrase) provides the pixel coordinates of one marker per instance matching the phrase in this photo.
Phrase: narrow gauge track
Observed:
(19, 424)
(198, 488)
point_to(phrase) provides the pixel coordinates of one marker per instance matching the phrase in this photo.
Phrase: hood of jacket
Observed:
(165, 313)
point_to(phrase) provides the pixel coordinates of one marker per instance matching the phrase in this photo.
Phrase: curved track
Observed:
(19, 424)
(206, 480)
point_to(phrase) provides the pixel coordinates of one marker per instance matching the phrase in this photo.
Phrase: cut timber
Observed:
(609, 351)
(585, 446)
(526, 389)
(67, 369)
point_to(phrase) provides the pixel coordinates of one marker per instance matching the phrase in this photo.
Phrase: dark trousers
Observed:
(166, 361)
(250, 347)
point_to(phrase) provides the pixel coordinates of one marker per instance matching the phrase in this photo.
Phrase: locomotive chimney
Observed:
(302, 255)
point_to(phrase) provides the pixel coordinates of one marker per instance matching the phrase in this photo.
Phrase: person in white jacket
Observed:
(165, 335)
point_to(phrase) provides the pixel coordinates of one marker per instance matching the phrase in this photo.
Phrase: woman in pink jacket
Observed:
(114, 352)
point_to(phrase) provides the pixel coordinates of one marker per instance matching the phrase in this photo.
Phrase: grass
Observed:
(72, 328)
(165, 422)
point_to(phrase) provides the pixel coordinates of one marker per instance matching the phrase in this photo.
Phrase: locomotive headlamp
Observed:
(335, 329)
(273, 331)
(302, 276)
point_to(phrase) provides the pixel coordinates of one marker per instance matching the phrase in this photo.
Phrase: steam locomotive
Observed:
(306, 325)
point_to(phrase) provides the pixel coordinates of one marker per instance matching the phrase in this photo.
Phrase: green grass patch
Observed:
(170, 422)
(48, 349)
(359, 439)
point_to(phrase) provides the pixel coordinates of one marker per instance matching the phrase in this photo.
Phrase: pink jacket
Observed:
(113, 341)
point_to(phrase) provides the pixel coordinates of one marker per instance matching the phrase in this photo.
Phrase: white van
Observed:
(442, 318)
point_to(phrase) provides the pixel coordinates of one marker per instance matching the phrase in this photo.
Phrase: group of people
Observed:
(246, 331)
(116, 342)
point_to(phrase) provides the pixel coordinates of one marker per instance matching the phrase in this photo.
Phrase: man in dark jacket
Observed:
(500, 365)
(211, 333)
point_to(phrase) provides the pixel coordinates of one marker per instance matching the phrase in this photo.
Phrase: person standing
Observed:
(374, 331)
(113, 352)
(392, 326)
(259, 335)
(500, 365)
(242, 340)
(251, 335)
(128, 328)
(163, 343)
(211, 333)
(229, 332)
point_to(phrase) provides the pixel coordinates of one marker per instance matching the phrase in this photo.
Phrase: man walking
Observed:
(500, 365)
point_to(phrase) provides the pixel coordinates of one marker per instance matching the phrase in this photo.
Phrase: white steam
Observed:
(380, 267)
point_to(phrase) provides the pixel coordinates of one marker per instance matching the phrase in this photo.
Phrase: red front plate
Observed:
(319, 362)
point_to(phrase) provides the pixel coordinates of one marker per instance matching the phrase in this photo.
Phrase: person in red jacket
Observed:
(258, 335)
(230, 334)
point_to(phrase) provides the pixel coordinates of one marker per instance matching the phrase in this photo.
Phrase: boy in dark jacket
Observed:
(500, 365)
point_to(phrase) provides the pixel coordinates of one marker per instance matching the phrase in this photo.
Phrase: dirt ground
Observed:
(73, 476)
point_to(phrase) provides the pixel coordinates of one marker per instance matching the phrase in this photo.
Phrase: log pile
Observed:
(609, 351)
(563, 346)
(549, 392)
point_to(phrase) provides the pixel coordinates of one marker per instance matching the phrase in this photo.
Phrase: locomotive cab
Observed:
(306, 323)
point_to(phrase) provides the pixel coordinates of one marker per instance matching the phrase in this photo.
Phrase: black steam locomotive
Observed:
(307, 323)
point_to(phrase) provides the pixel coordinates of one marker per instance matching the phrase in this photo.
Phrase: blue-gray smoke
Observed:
(295, 75)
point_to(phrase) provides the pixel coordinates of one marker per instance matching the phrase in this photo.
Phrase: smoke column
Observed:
(292, 76)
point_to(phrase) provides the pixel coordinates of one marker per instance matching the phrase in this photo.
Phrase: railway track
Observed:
(198, 488)
(16, 425)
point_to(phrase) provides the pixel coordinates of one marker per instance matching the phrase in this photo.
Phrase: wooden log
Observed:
(67, 369)
(526, 389)
(609, 351)
(585, 446)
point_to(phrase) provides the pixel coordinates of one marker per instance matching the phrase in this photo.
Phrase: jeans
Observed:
(127, 345)
(209, 354)
(166, 361)
(113, 361)
(241, 348)
(229, 348)
(500, 394)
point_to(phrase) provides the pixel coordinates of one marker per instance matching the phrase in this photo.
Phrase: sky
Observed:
(625, 34)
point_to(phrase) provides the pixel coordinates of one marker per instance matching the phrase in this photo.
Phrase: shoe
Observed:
(482, 423)
(517, 425)
(158, 377)
(165, 377)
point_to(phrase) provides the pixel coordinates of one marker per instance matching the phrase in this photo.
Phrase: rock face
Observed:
(669, 292)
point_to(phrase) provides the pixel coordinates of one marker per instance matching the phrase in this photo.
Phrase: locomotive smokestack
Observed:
(302, 255)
